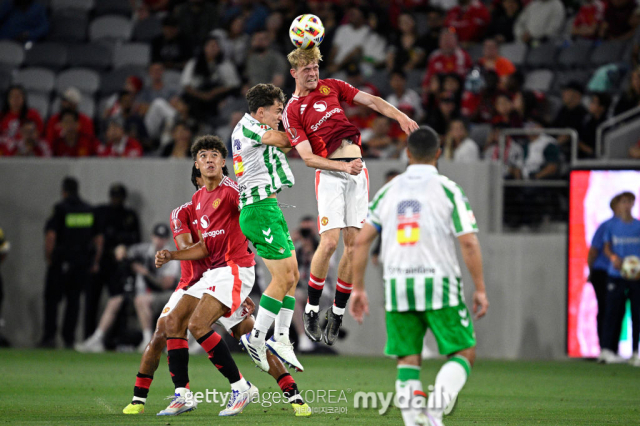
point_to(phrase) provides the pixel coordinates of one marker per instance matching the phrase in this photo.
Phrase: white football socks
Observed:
(449, 382)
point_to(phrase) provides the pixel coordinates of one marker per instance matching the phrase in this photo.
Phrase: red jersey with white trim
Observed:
(319, 118)
(218, 219)
(183, 221)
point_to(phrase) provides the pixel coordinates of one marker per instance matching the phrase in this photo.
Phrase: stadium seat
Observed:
(113, 7)
(11, 53)
(475, 51)
(608, 52)
(171, 78)
(85, 5)
(68, 27)
(39, 102)
(49, 55)
(35, 79)
(132, 54)
(542, 56)
(147, 29)
(414, 79)
(111, 27)
(380, 79)
(87, 106)
(564, 77)
(112, 82)
(479, 133)
(92, 55)
(515, 52)
(539, 80)
(85, 80)
(575, 55)
(5, 79)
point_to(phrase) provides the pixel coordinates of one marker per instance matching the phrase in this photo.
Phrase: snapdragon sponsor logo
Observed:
(325, 118)
(213, 233)
(336, 401)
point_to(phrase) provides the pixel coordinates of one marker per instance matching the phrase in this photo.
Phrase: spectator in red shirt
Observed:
(505, 113)
(73, 143)
(492, 61)
(15, 112)
(30, 144)
(588, 20)
(118, 143)
(70, 99)
(470, 19)
(450, 58)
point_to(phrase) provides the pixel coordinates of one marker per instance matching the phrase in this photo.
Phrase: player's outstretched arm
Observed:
(359, 303)
(277, 139)
(385, 108)
(472, 255)
(316, 162)
(195, 252)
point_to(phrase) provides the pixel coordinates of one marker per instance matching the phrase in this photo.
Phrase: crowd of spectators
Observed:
(221, 49)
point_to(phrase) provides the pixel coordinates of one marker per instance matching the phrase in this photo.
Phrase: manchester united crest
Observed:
(324, 90)
(324, 221)
(216, 203)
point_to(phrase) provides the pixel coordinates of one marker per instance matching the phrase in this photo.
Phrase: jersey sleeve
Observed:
(463, 220)
(375, 206)
(293, 126)
(253, 131)
(346, 92)
(180, 220)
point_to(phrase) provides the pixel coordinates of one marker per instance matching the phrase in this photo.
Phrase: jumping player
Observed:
(317, 127)
(262, 170)
(419, 215)
(185, 233)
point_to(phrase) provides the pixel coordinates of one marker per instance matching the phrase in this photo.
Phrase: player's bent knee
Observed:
(469, 354)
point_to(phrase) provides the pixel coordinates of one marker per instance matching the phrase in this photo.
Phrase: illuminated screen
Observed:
(590, 194)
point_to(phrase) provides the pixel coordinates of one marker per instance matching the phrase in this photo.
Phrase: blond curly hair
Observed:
(303, 57)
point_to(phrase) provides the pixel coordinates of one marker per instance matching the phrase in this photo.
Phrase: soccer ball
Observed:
(630, 268)
(306, 31)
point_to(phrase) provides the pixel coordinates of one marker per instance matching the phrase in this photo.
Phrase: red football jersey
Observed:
(182, 221)
(319, 118)
(218, 219)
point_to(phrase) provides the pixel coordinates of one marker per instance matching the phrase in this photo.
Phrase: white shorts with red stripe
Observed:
(343, 199)
(230, 285)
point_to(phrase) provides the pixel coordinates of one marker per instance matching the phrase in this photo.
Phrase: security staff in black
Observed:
(72, 248)
(118, 225)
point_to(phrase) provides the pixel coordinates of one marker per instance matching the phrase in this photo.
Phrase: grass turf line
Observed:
(65, 387)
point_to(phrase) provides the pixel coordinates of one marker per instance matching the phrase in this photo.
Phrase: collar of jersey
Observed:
(250, 118)
(422, 168)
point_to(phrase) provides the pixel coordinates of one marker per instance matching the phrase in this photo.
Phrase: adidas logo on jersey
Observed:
(198, 208)
(302, 108)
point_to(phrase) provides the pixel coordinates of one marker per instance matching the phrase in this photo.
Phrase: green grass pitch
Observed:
(67, 388)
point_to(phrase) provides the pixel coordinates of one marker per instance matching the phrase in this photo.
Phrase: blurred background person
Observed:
(30, 144)
(72, 142)
(23, 20)
(119, 225)
(69, 100)
(15, 111)
(73, 248)
(458, 146)
(180, 146)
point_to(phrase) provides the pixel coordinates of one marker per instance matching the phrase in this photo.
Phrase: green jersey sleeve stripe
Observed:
(251, 135)
(379, 196)
(455, 214)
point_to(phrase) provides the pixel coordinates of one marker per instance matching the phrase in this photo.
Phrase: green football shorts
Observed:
(452, 328)
(264, 225)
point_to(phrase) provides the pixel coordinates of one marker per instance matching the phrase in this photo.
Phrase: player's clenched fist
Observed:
(162, 257)
(354, 167)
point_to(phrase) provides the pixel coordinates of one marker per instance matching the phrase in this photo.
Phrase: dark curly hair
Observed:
(264, 95)
(210, 142)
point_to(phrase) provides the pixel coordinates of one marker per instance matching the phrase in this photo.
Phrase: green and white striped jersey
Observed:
(261, 170)
(419, 214)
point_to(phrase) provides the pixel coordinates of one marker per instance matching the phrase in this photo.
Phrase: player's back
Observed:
(419, 214)
(217, 217)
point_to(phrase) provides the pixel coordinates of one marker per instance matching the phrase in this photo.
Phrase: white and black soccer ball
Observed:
(306, 31)
(630, 268)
